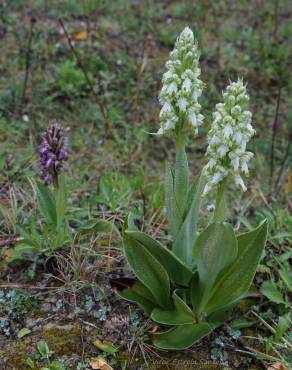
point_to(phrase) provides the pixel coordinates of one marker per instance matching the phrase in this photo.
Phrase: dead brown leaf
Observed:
(277, 366)
(80, 36)
(99, 363)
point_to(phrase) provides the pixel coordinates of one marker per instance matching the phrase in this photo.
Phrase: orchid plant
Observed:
(53, 232)
(193, 286)
(51, 198)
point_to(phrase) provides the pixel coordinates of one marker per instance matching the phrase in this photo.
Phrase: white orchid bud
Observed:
(230, 131)
(239, 181)
(181, 87)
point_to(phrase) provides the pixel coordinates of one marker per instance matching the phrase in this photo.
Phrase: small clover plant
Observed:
(193, 286)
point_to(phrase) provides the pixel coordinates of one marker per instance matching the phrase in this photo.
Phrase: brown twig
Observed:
(282, 165)
(26, 286)
(27, 63)
(274, 133)
(108, 124)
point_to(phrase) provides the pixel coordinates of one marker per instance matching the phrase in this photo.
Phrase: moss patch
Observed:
(63, 340)
(15, 354)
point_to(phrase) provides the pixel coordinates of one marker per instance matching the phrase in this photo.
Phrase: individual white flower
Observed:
(168, 75)
(172, 88)
(228, 130)
(181, 87)
(238, 137)
(222, 150)
(235, 163)
(216, 177)
(182, 104)
(187, 84)
(193, 119)
(212, 163)
(166, 108)
(169, 125)
(227, 139)
(239, 181)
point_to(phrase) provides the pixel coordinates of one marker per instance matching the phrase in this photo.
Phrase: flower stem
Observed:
(220, 207)
(181, 181)
(179, 141)
(55, 180)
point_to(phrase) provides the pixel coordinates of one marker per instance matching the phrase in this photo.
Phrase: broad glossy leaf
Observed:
(220, 208)
(47, 203)
(183, 244)
(195, 292)
(176, 270)
(218, 317)
(181, 314)
(148, 270)
(173, 214)
(233, 283)
(139, 294)
(183, 336)
(215, 249)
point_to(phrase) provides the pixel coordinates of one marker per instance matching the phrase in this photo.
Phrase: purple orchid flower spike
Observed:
(52, 153)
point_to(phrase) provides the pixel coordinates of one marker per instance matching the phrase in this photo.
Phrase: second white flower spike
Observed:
(230, 131)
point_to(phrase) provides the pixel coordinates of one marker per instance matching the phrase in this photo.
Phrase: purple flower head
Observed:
(52, 153)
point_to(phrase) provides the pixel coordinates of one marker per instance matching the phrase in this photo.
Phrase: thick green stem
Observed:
(55, 180)
(179, 141)
(181, 185)
(220, 211)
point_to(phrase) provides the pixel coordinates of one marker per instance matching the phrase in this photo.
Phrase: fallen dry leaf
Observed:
(80, 36)
(99, 363)
(277, 366)
(153, 329)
